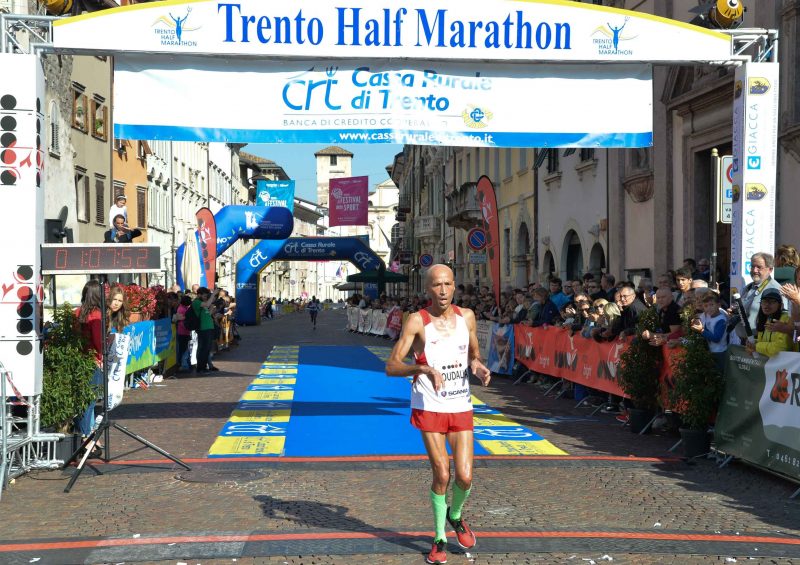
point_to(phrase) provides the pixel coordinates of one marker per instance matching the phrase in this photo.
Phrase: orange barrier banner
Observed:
(554, 352)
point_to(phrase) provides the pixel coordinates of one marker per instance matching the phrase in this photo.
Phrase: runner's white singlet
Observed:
(449, 354)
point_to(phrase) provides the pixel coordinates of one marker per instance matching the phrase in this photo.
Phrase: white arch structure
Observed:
(401, 72)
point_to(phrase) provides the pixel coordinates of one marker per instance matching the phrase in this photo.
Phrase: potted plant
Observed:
(697, 386)
(66, 376)
(638, 373)
(141, 301)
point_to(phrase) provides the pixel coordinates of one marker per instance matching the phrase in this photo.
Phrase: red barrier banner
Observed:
(554, 352)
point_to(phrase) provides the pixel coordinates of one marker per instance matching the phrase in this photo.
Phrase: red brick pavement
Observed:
(184, 416)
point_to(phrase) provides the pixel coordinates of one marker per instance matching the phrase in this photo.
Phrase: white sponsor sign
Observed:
(378, 323)
(755, 143)
(117, 359)
(780, 402)
(536, 30)
(466, 104)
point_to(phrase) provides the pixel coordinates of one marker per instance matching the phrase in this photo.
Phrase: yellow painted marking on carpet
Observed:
(275, 380)
(269, 364)
(248, 445)
(277, 372)
(477, 401)
(260, 395)
(538, 447)
(487, 420)
(260, 416)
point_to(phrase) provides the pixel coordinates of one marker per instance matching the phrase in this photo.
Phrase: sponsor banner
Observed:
(352, 319)
(487, 200)
(22, 183)
(348, 201)
(275, 193)
(536, 30)
(335, 102)
(364, 320)
(483, 330)
(758, 416)
(117, 360)
(207, 238)
(379, 320)
(755, 161)
(554, 352)
(151, 341)
(501, 349)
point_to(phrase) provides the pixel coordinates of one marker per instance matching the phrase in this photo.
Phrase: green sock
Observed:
(439, 502)
(459, 498)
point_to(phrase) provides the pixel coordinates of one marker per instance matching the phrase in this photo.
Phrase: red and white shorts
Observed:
(441, 422)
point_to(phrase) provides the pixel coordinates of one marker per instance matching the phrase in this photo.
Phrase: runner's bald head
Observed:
(437, 271)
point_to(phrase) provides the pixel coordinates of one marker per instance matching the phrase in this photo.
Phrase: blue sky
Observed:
(298, 160)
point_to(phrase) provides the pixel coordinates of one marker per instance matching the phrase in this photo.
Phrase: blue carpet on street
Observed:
(317, 401)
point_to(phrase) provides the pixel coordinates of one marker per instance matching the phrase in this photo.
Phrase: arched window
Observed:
(55, 120)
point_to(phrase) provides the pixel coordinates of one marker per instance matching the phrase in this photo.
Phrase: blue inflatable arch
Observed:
(352, 249)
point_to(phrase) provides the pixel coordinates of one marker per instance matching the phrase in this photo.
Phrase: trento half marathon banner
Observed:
(755, 138)
(486, 30)
(348, 201)
(759, 416)
(334, 102)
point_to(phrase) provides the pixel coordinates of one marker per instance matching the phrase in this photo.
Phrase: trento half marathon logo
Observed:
(613, 39)
(171, 29)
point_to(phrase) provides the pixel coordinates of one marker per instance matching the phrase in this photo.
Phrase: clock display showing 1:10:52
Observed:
(100, 258)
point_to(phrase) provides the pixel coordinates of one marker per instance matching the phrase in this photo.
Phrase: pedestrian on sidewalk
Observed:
(445, 345)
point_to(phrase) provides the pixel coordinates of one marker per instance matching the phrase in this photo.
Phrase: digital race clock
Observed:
(80, 258)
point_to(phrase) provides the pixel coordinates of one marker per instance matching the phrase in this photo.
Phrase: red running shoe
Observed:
(464, 534)
(437, 554)
(623, 417)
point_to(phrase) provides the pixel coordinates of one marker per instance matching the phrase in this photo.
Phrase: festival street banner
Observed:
(501, 349)
(431, 103)
(348, 202)
(759, 416)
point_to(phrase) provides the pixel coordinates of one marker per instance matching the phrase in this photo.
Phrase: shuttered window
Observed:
(100, 199)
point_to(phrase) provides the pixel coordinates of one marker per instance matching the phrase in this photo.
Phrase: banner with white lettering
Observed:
(334, 102)
(275, 193)
(117, 359)
(755, 163)
(349, 201)
(492, 30)
(758, 416)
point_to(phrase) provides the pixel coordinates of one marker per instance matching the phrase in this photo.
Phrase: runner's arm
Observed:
(395, 367)
(475, 362)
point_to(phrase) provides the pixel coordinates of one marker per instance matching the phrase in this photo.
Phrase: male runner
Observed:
(445, 349)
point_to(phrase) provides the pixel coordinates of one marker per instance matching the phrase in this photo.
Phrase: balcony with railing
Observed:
(428, 227)
(404, 203)
(463, 210)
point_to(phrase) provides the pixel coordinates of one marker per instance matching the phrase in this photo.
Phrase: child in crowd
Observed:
(713, 325)
(769, 341)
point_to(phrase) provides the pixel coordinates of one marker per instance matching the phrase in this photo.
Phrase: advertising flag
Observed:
(275, 193)
(487, 200)
(348, 201)
(207, 235)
